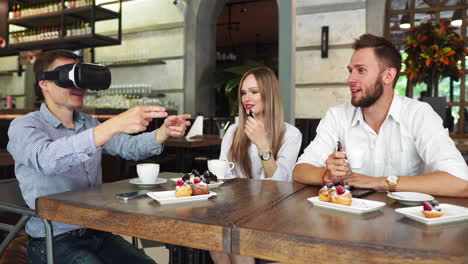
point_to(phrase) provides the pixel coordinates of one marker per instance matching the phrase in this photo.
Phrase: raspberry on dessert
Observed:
(196, 180)
(427, 206)
(180, 182)
(340, 190)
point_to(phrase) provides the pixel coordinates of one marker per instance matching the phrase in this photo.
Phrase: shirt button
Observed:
(90, 154)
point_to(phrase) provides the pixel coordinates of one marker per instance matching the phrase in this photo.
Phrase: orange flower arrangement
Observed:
(434, 50)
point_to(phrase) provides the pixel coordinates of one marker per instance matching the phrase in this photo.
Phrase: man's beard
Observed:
(372, 97)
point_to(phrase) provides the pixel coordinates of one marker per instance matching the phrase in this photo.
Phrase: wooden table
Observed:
(184, 147)
(204, 224)
(294, 231)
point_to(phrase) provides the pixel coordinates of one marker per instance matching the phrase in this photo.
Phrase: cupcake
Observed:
(326, 192)
(341, 196)
(199, 187)
(182, 189)
(432, 209)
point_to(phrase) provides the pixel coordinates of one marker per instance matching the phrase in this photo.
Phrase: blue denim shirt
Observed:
(52, 158)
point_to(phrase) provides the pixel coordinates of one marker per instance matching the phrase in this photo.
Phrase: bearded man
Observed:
(382, 140)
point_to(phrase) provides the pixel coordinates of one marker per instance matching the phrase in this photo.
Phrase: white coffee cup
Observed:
(220, 167)
(148, 172)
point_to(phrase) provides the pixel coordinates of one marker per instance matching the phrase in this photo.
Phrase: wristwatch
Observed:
(392, 182)
(266, 155)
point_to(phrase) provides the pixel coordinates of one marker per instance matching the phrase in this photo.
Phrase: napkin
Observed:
(197, 128)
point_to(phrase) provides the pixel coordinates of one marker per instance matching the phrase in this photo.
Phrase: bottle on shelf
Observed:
(17, 11)
(12, 13)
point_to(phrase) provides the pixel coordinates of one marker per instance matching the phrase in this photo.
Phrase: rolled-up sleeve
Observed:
(317, 152)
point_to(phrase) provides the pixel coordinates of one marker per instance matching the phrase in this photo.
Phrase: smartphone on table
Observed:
(359, 192)
(131, 195)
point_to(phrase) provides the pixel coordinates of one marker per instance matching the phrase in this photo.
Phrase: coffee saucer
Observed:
(137, 181)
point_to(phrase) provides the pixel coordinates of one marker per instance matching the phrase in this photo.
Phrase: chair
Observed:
(12, 201)
(439, 104)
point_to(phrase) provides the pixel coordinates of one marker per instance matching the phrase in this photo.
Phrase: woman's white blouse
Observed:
(286, 158)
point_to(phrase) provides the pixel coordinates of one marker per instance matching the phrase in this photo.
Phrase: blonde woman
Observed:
(261, 145)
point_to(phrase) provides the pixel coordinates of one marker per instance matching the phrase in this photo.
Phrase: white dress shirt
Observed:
(411, 141)
(286, 158)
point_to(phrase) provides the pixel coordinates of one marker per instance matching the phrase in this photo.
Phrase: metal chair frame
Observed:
(26, 213)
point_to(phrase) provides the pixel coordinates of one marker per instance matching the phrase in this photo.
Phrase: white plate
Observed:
(452, 213)
(168, 197)
(358, 206)
(137, 181)
(211, 185)
(410, 197)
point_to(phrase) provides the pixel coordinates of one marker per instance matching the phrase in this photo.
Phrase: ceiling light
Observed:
(457, 18)
(405, 19)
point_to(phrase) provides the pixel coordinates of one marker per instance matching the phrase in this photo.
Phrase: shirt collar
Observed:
(394, 111)
(55, 122)
(395, 107)
(357, 117)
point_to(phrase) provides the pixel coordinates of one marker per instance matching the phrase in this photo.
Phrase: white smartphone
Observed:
(131, 195)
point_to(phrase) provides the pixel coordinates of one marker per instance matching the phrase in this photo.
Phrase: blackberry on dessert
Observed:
(188, 177)
(208, 177)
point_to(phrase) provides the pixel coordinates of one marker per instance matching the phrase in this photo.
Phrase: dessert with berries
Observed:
(183, 189)
(326, 192)
(199, 187)
(432, 209)
(190, 176)
(209, 178)
(341, 196)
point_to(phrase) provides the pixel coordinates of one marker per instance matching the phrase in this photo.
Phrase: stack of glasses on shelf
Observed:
(125, 96)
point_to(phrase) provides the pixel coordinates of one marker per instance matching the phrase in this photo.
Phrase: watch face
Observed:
(266, 155)
(392, 178)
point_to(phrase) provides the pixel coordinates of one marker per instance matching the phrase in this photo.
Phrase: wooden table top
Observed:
(203, 224)
(195, 142)
(294, 231)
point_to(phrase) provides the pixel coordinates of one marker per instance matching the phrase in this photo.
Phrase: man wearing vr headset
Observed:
(59, 149)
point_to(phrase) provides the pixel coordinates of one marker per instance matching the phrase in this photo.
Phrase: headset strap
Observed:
(50, 75)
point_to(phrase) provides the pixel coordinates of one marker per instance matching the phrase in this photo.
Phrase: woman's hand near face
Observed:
(256, 133)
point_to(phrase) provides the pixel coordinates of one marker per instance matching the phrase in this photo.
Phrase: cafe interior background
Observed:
(188, 55)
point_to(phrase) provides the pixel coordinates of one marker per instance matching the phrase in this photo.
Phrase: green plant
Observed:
(434, 51)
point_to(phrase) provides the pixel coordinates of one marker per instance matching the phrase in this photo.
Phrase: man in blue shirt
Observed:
(58, 149)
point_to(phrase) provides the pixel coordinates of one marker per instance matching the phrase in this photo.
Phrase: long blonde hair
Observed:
(272, 117)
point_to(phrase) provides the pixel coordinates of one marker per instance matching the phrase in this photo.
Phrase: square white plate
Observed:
(168, 197)
(358, 206)
(211, 185)
(452, 213)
